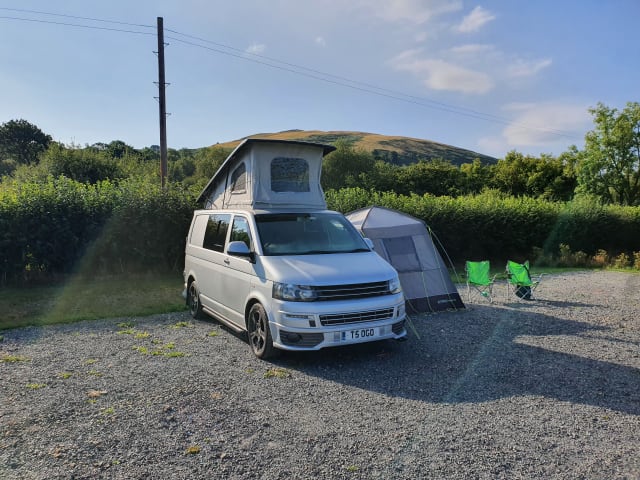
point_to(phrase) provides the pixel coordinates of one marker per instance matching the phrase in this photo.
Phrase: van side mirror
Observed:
(240, 249)
(369, 243)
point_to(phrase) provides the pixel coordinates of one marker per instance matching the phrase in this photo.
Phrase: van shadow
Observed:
(478, 355)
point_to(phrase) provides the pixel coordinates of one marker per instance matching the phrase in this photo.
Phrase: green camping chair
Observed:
(519, 280)
(479, 279)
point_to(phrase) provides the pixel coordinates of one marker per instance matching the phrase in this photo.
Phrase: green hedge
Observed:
(61, 226)
(493, 226)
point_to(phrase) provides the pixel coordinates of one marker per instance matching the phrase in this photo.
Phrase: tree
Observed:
(22, 142)
(86, 165)
(609, 165)
(346, 167)
(437, 177)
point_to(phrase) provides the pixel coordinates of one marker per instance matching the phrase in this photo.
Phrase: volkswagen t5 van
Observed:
(291, 280)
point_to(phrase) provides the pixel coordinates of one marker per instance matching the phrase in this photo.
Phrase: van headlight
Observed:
(294, 293)
(394, 285)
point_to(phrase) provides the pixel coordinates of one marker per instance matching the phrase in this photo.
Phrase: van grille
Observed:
(359, 290)
(344, 318)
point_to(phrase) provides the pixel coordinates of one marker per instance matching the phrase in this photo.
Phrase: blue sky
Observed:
(490, 76)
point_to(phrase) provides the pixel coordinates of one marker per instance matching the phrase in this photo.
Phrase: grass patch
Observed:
(91, 299)
(36, 386)
(277, 372)
(6, 358)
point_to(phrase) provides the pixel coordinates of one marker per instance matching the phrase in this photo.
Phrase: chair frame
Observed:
(485, 288)
(513, 284)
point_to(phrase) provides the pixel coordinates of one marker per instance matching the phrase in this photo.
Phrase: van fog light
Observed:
(290, 337)
(401, 311)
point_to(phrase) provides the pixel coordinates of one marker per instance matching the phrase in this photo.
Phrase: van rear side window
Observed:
(216, 232)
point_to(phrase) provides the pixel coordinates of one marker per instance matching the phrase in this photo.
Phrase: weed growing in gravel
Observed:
(126, 331)
(142, 335)
(108, 411)
(193, 450)
(277, 373)
(213, 333)
(125, 325)
(174, 354)
(64, 375)
(90, 361)
(6, 358)
(181, 325)
(166, 350)
(36, 386)
(352, 468)
(94, 373)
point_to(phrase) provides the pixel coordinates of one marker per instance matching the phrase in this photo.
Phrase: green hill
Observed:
(396, 150)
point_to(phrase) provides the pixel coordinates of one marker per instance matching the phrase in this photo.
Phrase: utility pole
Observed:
(163, 105)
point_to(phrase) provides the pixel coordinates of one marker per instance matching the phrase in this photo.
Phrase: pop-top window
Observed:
(289, 175)
(239, 179)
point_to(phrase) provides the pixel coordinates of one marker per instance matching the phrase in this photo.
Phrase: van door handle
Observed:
(227, 261)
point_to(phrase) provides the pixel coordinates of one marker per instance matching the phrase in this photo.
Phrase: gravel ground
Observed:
(542, 389)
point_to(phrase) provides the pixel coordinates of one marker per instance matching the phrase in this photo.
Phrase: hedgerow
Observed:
(60, 225)
(495, 226)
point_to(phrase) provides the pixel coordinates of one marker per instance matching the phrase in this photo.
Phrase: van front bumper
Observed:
(295, 327)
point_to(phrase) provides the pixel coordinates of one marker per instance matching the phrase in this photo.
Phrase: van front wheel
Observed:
(259, 333)
(193, 300)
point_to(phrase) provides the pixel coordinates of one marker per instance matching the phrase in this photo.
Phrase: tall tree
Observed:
(609, 166)
(22, 142)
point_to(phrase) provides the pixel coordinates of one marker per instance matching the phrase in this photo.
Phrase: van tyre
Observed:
(259, 333)
(193, 300)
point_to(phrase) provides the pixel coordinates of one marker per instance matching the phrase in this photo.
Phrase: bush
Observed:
(61, 225)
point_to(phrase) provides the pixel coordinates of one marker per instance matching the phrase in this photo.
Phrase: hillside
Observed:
(396, 150)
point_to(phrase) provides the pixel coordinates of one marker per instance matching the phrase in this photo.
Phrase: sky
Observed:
(489, 76)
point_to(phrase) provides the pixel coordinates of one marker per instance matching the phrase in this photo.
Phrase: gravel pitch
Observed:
(542, 389)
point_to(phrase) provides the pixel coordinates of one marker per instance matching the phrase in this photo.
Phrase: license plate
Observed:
(360, 334)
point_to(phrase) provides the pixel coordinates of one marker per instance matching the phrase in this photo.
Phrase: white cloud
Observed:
(413, 11)
(320, 41)
(256, 48)
(441, 75)
(471, 49)
(526, 69)
(539, 125)
(475, 20)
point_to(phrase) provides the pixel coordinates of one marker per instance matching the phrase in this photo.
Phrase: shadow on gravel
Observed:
(474, 356)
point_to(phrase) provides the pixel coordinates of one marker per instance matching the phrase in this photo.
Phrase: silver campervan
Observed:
(265, 256)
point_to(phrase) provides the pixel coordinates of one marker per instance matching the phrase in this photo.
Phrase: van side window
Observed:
(216, 232)
(240, 231)
(239, 179)
(289, 175)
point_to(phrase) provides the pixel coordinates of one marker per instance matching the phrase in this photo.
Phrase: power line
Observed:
(66, 24)
(290, 68)
(22, 10)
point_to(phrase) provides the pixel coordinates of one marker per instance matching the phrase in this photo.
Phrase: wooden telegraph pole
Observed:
(163, 105)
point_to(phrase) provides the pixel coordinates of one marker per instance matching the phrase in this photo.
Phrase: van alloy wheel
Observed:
(259, 333)
(193, 295)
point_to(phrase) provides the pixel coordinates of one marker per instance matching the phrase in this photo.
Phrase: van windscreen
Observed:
(308, 234)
